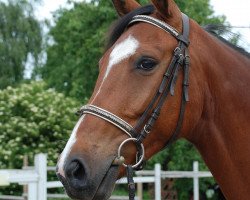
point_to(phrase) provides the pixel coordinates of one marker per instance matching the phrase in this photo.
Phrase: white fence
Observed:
(36, 179)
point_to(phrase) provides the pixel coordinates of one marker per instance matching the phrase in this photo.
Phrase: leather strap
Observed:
(156, 22)
(131, 183)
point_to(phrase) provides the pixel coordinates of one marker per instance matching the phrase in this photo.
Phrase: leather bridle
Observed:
(146, 122)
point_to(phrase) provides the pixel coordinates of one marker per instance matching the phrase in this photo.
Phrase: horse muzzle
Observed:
(83, 182)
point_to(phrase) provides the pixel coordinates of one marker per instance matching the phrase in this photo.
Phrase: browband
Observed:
(156, 22)
(164, 26)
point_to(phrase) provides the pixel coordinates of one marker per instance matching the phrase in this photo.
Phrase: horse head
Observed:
(142, 65)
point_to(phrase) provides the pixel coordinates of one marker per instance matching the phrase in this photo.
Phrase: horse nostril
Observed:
(75, 173)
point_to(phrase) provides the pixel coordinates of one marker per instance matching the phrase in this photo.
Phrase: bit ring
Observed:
(141, 146)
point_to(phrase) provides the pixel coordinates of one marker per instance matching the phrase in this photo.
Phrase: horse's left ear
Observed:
(125, 6)
(166, 8)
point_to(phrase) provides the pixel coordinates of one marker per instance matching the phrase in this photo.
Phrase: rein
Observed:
(144, 125)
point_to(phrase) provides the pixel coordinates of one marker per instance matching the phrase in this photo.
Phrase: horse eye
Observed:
(146, 64)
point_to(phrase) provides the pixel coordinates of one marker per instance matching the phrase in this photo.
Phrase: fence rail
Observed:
(36, 179)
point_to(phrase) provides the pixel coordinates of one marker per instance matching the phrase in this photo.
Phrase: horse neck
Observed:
(222, 132)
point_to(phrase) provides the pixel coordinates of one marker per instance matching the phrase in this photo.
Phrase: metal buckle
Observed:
(177, 51)
(181, 59)
(146, 129)
(142, 152)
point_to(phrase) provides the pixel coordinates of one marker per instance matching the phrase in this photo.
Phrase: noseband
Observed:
(145, 124)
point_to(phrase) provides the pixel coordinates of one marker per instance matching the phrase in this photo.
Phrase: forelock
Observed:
(121, 24)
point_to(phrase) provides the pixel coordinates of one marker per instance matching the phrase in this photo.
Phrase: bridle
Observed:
(146, 122)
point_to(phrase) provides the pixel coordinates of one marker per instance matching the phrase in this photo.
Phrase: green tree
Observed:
(78, 40)
(20, 38)
(199, 10)
(33, 120)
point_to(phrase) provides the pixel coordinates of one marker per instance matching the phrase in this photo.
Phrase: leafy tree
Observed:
(20, 38)
(199, 10)
(33, 120)
(78, 44)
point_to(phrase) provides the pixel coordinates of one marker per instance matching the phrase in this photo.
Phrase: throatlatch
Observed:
(143, 127)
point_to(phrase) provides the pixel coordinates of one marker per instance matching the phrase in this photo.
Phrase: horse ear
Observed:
(166, 8)
(125, 6)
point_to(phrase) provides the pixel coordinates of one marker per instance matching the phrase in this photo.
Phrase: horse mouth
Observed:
(101, 192)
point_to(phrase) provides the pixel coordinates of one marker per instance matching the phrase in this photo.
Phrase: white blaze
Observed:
(69, 146)
(120, 52)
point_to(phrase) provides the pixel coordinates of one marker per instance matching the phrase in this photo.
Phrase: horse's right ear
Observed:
(166, 8)
(125, 6)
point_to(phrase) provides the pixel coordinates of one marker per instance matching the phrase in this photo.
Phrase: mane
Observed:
(218, 31)
(121, 24)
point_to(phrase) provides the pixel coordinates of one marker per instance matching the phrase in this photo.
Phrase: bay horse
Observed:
(209, 107)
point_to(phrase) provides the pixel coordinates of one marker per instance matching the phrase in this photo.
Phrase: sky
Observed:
(237, 13)
(45, 10)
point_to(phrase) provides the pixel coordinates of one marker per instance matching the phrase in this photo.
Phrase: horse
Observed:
(154, 51)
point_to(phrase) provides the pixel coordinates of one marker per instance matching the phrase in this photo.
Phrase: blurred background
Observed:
(49, 53)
